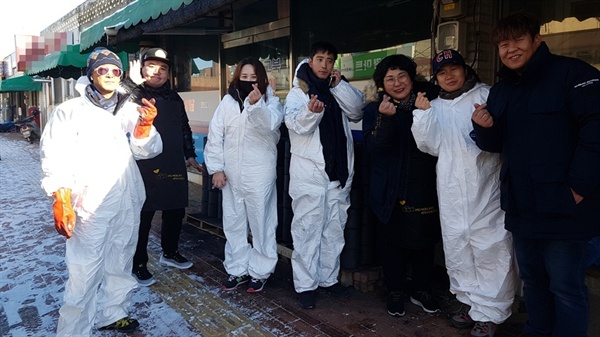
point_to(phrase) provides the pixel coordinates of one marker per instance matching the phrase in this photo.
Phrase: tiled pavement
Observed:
(276, 310)
(207, 311)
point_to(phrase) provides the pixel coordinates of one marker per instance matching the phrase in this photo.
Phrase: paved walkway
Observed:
(181, 303)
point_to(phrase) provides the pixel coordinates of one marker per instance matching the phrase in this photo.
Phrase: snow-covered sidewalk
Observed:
(32, 268)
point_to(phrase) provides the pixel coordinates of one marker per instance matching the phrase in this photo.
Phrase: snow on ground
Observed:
(32, 268)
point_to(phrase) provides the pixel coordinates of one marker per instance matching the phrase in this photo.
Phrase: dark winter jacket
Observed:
(547, 125)
(165, 176)
(398, 171)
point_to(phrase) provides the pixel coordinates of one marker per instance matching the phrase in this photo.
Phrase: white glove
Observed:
(135, 72)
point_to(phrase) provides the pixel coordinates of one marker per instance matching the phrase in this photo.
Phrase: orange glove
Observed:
(147, 114)
(64, 216)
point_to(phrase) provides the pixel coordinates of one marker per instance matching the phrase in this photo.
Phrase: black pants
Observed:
(397, 256)
(172, 221)
(395, 269)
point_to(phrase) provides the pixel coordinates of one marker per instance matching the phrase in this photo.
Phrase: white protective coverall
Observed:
(86, 148)
(243, 145)
(478, 250)
(319, 205)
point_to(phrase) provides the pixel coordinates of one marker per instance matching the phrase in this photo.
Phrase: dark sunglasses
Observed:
(103, 71)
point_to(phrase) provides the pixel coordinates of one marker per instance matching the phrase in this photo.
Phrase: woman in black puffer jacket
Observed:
(402, 183)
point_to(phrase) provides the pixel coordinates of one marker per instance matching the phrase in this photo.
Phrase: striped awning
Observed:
(68, 63)
(130, 15)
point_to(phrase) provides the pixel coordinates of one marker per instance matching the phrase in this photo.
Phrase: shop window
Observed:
(574, 38)
(360, 66)
(274, 55)
(278, 72)
(569, 27)
(205, 75)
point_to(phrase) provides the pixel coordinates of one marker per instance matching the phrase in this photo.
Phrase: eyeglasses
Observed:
(391, 80)
(101, 71)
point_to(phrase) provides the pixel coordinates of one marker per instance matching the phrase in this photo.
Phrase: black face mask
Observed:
(240, 94)
(246, 88)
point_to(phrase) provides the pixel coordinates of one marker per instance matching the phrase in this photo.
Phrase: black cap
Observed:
(158, 54)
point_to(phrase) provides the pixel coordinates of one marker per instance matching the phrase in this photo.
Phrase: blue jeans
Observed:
(593, 252)
(556, 296)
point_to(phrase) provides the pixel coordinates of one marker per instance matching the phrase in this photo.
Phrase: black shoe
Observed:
(395, 304)
(125, 324)
(425, 301)
(337, 290)
(175, 260)
(256, 285)
(307, 299)
(143, 276)
(234, 282)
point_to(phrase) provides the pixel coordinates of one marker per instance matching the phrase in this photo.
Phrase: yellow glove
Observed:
(147, 114)
(64, 216)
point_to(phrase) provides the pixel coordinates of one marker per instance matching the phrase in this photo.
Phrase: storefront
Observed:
(17, 95)
(207, 38)
(569, 27)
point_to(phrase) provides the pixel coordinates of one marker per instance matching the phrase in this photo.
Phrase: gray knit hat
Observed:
(99, 57)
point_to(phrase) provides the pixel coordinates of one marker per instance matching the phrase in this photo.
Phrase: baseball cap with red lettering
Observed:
(446, 56)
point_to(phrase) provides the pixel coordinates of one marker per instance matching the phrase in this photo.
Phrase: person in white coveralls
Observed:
(477, 248)
(317, 111)
(241, 156)
(88, 152)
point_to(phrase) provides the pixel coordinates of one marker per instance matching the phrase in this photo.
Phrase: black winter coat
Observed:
(165, 176)
(399, 172)
(547, 125)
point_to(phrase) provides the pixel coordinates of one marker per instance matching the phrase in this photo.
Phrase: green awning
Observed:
(67, 63)
(130, 15)
(20, 83)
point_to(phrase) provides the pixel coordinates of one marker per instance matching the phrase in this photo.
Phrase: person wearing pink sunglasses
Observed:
(88, 152)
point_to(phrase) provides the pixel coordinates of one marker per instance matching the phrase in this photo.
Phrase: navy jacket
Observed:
(399, 171)
(547, 125)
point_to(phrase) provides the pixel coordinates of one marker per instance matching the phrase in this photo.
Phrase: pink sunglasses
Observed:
(103, 71)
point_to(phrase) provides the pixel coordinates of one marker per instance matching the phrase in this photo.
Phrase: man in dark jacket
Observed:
(165, 176)
(544, 116)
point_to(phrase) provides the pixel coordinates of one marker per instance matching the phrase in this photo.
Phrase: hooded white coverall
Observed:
(320, 206)
(478, 250)
(243, 145)
(86, 149)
